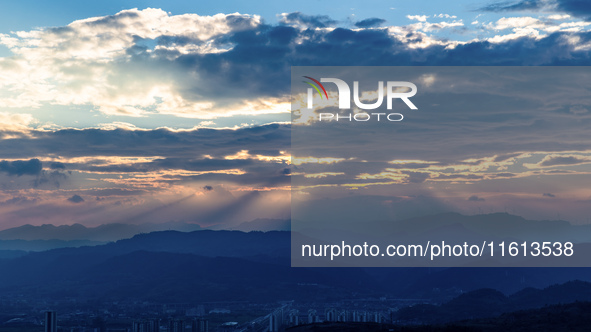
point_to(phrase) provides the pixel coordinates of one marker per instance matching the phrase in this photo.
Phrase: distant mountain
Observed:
(42, 245)
(173, 266)
(490, 303)
(118, 231)
(561, 317)
(10, 254)
(164, 266)
(444, 283)
(104, 233)
(264, 225)
(494, 225)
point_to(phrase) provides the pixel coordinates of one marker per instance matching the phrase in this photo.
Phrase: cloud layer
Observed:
(132, 69)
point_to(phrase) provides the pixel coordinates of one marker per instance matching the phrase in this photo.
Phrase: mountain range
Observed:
(102, 233)
(210, 265)
(118, 231)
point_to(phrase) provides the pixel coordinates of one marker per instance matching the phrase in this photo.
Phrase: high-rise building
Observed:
(176, 326)
(140, 327)
(273, 324)
(146, 326)
(154, 325)
(50, 321)
(200, 325)
(294, 318)
(376, 317)
(330, 315)
(312, 317)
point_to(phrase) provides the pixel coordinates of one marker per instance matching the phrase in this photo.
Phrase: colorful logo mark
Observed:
(316, 87)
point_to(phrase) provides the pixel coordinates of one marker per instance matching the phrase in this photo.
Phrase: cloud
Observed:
(554, 160)
(76, 199)
(548, 195)
(575, 8)
(208, 188)
(420, 18)
(127, 64)
(306, 21)
(417, 177)
(19, 200)
(57, 165)
(475, 198)
(21, 167)
(510, 6)
(15, 125)
(167, 143)
(138, 63)
(516, 22)
(120, 160)
(141, 63)
(370, 23)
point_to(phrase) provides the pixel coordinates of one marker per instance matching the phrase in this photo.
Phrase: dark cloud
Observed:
(57, 165)
(76, 199)
(208, 188)
(507, 156)
(549, 195)
(19, 200)
(51, 178)
(504, 175)
(21, 167)
(575, 7)
(311, 21)
(115, 192)
(459, 176)
(205, 164)
(259, 64)
(563, 161)
(161, 142)
(510, 6)
(173, 146)
(475, 198)
(370, 23)
(417, 177)
(259, 57)
(269, 176)
(578, 8)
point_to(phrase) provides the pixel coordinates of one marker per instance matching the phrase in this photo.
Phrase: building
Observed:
(200, 325)
(176, 326)
(146, 326)
(294, 317)
(330, 315)
(140, 327)
(276, 320)
(312, 316)
(50, 321)
(273, 323)
(376, 317)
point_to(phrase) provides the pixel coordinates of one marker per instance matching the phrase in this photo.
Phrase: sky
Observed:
(146, 111)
